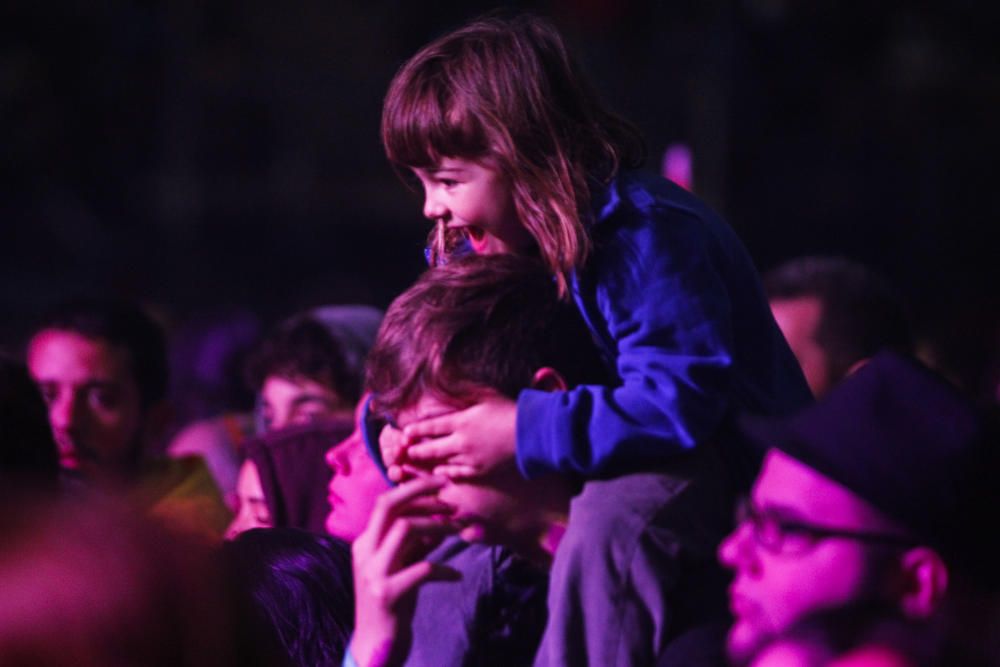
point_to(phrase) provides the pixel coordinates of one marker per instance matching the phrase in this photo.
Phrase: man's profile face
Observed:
(772, 589)
(354, 485)
(94, 405)
(798, 318)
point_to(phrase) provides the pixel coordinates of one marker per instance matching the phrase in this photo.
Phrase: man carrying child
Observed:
(647, 576)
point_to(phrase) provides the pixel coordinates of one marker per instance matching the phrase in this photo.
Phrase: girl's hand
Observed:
(406, 524)
(393, 446)
(469, 443)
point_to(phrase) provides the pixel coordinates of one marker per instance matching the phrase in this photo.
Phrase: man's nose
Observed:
(735, 548)
(337, 458)
(64, 411)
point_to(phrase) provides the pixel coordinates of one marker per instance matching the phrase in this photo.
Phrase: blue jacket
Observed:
(675, 304)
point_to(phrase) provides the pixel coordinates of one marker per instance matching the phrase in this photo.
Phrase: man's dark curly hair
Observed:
(124, 325)
(861, 313)
(299, 348)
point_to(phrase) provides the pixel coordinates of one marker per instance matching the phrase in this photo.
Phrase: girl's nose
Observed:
(434, 208)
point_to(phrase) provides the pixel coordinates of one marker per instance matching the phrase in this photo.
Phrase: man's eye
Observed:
(769, 530)
(104, 398)
(266, 415)
(310, 415)
(793, 532)
(260, 510)
(448, 182)
(48, 392)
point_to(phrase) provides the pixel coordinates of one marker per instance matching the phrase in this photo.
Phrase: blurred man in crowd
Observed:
(310, 366)
(102, 370)
(835, 314)
(630, 557)
(882, 493)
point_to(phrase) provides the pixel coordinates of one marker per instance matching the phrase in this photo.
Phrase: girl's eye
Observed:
(448, 182)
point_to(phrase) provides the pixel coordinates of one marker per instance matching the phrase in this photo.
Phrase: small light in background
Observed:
(677, 165)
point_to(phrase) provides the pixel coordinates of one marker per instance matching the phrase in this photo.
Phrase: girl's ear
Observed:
(548, 379)
(925, 578)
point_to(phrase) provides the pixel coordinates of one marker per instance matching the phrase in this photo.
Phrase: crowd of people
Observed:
(588, 434)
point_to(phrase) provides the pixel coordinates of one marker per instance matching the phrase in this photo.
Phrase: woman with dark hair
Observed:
(283, 481)
(301, 586)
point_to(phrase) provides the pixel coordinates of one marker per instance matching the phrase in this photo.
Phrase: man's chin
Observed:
(342, 530)
(474, 532)
(743, 642)
(75, 465)
(69, 461)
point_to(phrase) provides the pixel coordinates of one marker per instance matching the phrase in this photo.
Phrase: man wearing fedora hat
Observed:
(882, 492)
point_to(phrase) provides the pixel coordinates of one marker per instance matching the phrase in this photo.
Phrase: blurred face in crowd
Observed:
(355, 484)
(798, 319)
(781, 570)
(288, 402)
(252, 511)
(94, 404)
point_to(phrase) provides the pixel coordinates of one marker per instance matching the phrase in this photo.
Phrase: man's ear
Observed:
(856, 366)
(548, 379)
(925, 582)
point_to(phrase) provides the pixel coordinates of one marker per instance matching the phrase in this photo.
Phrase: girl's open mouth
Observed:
(477, 238)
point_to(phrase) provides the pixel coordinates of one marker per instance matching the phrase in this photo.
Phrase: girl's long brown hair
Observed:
(507, 90)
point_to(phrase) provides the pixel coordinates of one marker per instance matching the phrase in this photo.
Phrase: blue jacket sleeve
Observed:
(655, 296)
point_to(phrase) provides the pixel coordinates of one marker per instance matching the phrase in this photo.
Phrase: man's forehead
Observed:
(787, 485)
(787, 482)
(55, 351)
(805, 308)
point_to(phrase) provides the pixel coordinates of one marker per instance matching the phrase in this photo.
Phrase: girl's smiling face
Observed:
(476, 199)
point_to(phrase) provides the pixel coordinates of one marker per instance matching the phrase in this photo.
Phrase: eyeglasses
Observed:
(788, 536)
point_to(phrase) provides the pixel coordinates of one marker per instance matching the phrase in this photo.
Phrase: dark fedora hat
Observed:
(905, 440)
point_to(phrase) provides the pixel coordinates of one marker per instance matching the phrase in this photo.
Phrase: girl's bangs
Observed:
(420, 131)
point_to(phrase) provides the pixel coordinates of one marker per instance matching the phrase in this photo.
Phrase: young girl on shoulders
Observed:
(516, 154)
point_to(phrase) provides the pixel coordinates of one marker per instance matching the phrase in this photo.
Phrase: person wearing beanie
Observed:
(883, 492)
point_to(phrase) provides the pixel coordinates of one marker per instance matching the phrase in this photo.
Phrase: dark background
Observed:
(223, 155)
